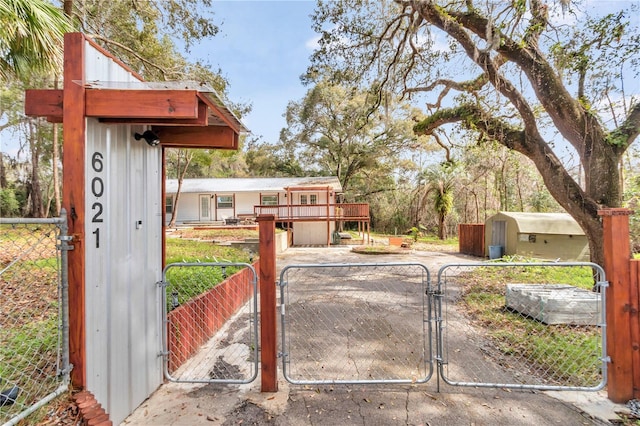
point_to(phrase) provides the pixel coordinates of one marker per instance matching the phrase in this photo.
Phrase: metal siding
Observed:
(98, 273)
(122, 308)
(120, 208)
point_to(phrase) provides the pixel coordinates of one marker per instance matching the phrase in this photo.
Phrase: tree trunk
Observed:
(36, 206)
(54, 162)
(68, 7)
(181, 174)
(442, 230)
(174, 213)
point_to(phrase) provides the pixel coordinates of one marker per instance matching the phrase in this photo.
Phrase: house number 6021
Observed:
(97, 189)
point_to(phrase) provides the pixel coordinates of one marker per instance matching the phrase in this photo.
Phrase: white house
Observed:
(306, 206)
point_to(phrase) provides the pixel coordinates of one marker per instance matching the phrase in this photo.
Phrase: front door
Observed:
(205, 208)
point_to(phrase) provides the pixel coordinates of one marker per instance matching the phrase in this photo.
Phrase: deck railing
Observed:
(308, 212)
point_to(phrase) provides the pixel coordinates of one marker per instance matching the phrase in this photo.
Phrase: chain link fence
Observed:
(356, 323)
(34, 361)
(522, 325)
(211, 325)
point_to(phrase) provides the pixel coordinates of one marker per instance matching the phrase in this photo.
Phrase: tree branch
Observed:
(628, 131)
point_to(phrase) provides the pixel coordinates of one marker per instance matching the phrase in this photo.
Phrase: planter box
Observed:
(396, 241)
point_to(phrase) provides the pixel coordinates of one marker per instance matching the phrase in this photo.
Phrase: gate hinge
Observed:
(282, 354)
(64, 242)
(163, 354)
(607, 359)
(602, 284)
(162, 284)
(281, 283)
(65, 371)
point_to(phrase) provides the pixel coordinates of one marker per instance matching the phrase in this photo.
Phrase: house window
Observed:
(224, 201)
(269, 200)
(309, 199)
(168, 205)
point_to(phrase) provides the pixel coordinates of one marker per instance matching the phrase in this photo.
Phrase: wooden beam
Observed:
(43, 103)
(218, 113)
(201, 120)
(219, 137)
(73, 199)
(152, 104)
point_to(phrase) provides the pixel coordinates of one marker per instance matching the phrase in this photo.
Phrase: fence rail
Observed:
(300, 212)
(34, 319)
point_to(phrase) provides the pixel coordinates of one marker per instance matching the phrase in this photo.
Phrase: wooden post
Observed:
(268, 330)
(73, 198)
(635, 324)
(617, 253)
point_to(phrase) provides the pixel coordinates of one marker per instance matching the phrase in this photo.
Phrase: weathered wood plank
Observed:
(151, 104)
(197, 137)
(43, 103)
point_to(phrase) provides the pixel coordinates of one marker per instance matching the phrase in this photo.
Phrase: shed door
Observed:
(205, 202)
(499, 233)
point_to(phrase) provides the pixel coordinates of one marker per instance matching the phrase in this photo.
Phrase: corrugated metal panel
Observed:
(123, 257)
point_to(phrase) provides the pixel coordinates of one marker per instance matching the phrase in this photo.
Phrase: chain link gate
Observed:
(356, 323)
(34, 315)
(522, 325)
(210, 322)
(508, 325)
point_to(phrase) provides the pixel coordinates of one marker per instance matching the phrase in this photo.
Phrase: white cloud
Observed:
(313, 43)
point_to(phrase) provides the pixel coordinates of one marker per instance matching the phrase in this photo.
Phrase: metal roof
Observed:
(545, 223)
(208, 185)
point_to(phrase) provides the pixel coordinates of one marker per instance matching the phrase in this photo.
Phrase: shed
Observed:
(537, 235)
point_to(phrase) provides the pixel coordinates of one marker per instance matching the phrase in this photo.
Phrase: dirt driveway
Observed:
(432, 403)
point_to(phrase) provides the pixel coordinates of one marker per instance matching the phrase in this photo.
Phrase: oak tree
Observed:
(528, 74)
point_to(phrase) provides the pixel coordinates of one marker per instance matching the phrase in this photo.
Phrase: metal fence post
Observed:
(268, 332)
(65, 238)
(615, 224)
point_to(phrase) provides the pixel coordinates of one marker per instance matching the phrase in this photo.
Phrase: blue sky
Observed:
(262, 49)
